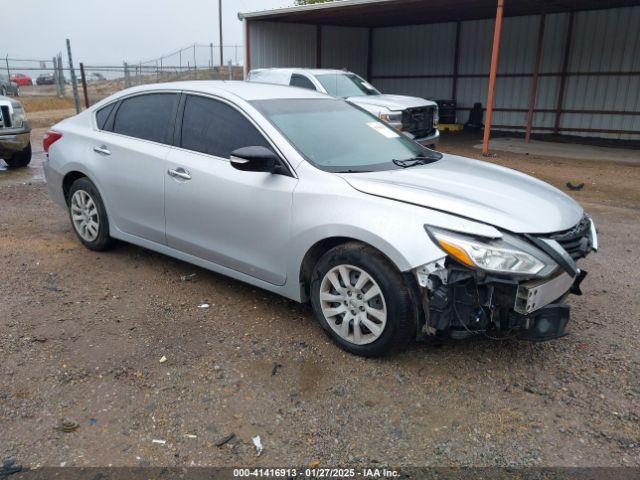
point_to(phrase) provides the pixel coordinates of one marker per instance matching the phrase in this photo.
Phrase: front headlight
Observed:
(393, 118)
(18, 116)
(490, 255)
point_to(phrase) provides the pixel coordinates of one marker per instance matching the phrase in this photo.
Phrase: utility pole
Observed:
(221, 47)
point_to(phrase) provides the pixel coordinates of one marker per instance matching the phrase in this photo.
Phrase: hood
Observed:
(392, 102)
(476, 190)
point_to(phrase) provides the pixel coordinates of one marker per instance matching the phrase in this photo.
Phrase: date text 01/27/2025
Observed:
(316, 472)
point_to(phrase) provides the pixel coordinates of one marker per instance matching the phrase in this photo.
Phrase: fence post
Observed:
(56, 77)
(211, 54)
(61, 80)
(83, 79)
(74, 80)
(127, 77)
(230, 67)
(6, 59)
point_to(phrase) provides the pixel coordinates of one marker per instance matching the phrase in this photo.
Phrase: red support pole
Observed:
(563, 76)
(495, 55)
(247, 47)
(534, 80)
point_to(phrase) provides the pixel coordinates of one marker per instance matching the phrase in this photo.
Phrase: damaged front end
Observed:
(514, 286)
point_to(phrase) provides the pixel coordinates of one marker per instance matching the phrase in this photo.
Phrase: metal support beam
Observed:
(247, 47)
(456, 63)
(220, 26)
(495, 56)
(534, 81)
(370, 56)
(563, 75)
(318, 46)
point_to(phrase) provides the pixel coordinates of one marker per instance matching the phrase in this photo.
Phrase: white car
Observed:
(310, 197)
(416, 117)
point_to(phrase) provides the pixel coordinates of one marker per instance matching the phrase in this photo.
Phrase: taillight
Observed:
(49, 139)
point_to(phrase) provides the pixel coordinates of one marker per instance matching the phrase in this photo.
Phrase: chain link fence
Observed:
(60, 81)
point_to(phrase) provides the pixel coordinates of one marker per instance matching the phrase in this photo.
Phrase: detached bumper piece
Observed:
(547, 323)
(462, 304)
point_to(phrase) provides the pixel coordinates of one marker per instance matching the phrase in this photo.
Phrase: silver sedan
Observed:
(317, 200)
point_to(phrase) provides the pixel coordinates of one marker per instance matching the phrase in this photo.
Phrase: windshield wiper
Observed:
(413, 162)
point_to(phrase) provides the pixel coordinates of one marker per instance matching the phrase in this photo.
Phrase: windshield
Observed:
(346, 85)
(336, 136)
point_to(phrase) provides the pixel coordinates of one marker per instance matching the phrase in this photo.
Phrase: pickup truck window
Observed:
(346, 85)
(335, 136)
(301, 81)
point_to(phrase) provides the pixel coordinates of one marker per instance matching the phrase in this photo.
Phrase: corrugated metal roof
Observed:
(380, 13)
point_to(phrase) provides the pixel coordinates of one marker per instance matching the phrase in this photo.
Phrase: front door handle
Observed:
(179, 173)
(102, 150)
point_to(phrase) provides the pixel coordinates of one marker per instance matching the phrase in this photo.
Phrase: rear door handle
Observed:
(179, 173)
(102, 150)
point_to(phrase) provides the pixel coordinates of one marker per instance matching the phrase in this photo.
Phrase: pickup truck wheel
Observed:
(362, 301)
(3, 92)
(21, 158)
(88, 215)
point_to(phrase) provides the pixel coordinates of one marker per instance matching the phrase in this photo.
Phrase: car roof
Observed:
(245, 90)
(312, 71)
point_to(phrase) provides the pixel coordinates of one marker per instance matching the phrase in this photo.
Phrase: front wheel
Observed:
(21, 158)
(362, 301)
(88, 215)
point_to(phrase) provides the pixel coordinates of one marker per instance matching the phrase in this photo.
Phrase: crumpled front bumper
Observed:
(460, 302)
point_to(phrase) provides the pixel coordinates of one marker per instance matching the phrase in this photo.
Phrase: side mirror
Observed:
(255, 159)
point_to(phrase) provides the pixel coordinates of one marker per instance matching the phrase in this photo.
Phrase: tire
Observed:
(372, 337)
(20, 159)
(86, 208)
(3, 92)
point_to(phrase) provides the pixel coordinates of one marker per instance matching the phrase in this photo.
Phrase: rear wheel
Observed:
(362, 301)
(88, 215)
(4, 91)
(21, 158)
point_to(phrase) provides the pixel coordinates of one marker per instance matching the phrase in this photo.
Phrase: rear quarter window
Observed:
(102, 116)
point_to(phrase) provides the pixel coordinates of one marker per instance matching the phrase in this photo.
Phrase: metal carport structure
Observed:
(552, 66)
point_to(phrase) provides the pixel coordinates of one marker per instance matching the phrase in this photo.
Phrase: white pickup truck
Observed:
(416, 117)
(15, 133)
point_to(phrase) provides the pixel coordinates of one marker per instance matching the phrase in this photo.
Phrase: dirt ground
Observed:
(82, 335)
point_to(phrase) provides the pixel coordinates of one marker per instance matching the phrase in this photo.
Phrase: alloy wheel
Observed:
(353, 304)
(84, 215)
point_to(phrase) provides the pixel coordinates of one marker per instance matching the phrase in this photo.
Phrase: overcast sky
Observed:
(112, 31)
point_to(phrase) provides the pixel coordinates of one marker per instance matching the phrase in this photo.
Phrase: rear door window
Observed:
(301, 81)
(148, 117)
(213, 127)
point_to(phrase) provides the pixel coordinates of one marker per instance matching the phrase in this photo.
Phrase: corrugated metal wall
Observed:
(602, 41)
(282, 45)
(344, 47)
